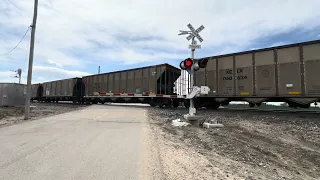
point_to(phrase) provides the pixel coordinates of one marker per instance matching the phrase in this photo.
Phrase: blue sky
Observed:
(74, 37)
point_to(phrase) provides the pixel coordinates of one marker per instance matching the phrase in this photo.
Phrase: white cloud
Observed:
(129, 56)
(41, 74)
(8, 77)
(53, 73)
(55, 63)
(58, 70)
(6, 73)
(72, 34)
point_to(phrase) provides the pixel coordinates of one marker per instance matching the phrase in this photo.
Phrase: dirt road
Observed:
(250, 146)
(97, 142)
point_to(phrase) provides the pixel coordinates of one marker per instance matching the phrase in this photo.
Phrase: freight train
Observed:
(153, 85)
(289, 73)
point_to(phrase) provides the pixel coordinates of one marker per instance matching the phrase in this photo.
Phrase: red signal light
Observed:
(188, 63)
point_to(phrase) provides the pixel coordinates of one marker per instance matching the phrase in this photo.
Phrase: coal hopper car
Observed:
(289, 73)
(152, 85)
(61, 90)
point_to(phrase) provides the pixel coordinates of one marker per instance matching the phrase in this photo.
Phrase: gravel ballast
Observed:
(251, 145)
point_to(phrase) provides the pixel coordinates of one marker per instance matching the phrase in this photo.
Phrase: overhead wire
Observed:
(17, 44)
(60, 13)
(26, 58)
(18, 8)
(22, 13)
(11, 43)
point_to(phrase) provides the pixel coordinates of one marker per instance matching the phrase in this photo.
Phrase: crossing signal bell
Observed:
(188, 63)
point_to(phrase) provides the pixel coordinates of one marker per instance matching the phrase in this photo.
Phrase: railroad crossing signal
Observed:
(195, 33)
(186, 64)
(201, 63)
(193, 65)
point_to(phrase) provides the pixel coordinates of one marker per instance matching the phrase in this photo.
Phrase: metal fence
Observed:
(12, 94)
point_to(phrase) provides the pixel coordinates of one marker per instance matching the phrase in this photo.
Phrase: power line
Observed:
(26, 58)
(11, 43)
(17, 44)
(18, 8)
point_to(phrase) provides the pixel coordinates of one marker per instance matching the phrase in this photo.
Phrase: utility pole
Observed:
(19, 71)
(33, 32)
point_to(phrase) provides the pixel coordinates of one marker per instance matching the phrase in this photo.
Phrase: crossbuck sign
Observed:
(195, 33)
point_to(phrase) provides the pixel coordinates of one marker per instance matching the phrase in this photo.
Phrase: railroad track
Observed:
(279, 110)
(270, 109)
(55, 103)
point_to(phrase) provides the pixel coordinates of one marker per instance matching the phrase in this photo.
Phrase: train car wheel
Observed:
(213, 105)
(168, 103)
(175, 104)
(292, 105)
(152, 103)
(87, 101)
(305, 106)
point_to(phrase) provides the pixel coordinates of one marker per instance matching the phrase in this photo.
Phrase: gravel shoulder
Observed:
(165, 158)
(251, 145)
(12, 115)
